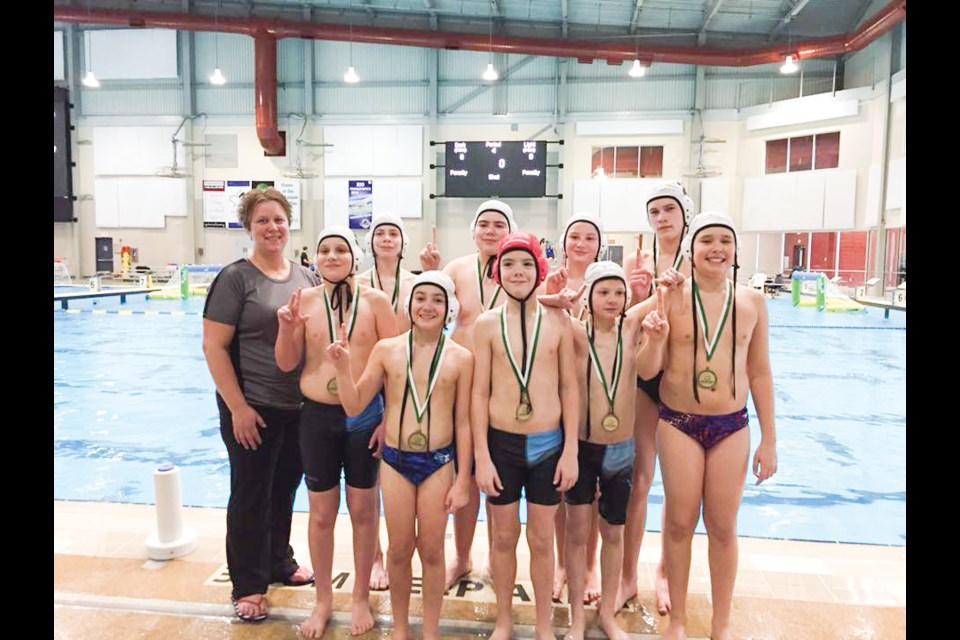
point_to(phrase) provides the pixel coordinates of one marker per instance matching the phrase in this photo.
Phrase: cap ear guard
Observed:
(701, 222)
(673, 189)
(437, 279)
(390, 219)
(523, 241)
(604, 270)
(347, 235)
(596, 222)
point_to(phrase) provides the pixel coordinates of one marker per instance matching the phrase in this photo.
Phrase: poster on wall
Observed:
(360, 203)
(221, 200)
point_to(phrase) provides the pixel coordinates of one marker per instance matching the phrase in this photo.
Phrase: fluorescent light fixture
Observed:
(490, 75)
(789, 65)
(637, 70)
(217, 77)
(351, 77)
(90, 80)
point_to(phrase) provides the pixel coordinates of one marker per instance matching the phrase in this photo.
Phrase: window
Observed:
(828, 151)
(627, 162)
(803, 153)
(777, 155)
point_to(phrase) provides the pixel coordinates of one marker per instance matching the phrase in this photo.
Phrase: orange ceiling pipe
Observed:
(584, 50)
(266, 31)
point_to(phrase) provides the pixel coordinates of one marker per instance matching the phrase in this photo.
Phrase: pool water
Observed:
(131, 389)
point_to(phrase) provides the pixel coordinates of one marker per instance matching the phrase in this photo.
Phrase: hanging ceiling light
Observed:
(490, 73)
(217, 77)
(789, 65)
(637, 70)
(351, 77)
(89, 80)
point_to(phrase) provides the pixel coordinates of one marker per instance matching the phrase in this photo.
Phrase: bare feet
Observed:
(575, 632)
(502, 632)
(379, 580)
(400, 634)
(609, 625)
(662, 589)
(721, 632)
(625, 593)
(314, 626)
(675, 631)
(545, 634)
(361, 619)
(559, 581)
(456, 569)
(591, 587)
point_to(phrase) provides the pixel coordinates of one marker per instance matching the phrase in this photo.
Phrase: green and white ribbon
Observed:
(496, 293)
(375, 283)
(610, 391)
(523, 377)
(432, 376)
(710, 342)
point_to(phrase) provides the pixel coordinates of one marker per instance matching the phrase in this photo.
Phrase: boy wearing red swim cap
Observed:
(524, 416)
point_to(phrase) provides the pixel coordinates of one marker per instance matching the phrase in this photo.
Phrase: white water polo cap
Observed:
(438, 279)
(604, 270)
(702, 221)
(673, 189)
(387, 218)
(340, 231)
(500, 207)
(592, 219)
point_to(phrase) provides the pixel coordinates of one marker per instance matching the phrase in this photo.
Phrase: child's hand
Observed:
(764, 461)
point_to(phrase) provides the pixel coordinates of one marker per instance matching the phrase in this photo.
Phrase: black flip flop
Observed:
(257, 617)
(290, 582)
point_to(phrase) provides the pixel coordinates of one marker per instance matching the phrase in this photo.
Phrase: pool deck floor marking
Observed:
(785, 589)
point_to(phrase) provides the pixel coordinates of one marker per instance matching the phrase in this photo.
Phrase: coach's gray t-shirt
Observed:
(242, 296)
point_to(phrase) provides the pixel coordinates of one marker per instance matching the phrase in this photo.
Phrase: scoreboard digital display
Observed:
(504, 169)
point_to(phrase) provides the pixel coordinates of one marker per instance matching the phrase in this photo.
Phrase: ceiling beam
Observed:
(368, 8)
(428, 4)
(702, 36)
(563, 15)
(489, 85)
(795, 8)
(636, 16)
(860, 15)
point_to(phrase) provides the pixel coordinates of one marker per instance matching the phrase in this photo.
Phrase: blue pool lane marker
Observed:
(130, 312)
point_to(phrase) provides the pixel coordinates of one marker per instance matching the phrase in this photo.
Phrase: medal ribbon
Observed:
(496, 293)
(677, 261)
(609, 391)
(710, 343)
(353, 313)
(523, 377)
(375, 283)
(421, 409)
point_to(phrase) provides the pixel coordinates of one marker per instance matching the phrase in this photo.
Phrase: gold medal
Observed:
(332, 386)
(524, 410)
(417, 441)
(610, 422)
(707, 379)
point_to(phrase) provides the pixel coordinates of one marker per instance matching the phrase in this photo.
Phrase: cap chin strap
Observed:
(336, 298)
(523, 323)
